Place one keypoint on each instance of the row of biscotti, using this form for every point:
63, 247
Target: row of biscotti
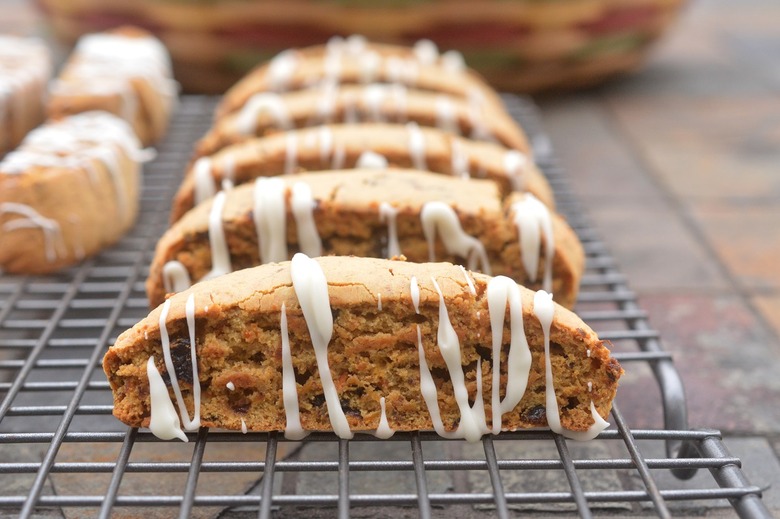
311, 159
451, 177
71, 187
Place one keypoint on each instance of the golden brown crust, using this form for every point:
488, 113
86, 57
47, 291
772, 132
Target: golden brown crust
144, 95
480, 120
309, 67
373, 353
268, 156
349, 222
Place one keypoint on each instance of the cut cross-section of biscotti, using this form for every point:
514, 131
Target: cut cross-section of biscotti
356, 61
341, 146
125, 71
372, 213
361, 345
270, 112
69, 190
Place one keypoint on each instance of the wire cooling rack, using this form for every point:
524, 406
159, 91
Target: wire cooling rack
62, 454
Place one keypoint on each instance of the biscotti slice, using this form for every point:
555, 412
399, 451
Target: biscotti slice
357, 61
362, 345
372, 213
342, 145
25, 70
270, 112
69, 190
125, 71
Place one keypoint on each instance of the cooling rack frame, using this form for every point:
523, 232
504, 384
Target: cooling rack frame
55, 329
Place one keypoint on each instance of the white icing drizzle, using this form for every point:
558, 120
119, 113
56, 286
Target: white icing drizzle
414, 289
460, 160
383, 430
370, 63
193, 424
303, 206
429, 392
291, 153
398, 93
588, 352
270, 218
164, 422
220, 255
476, 107
379, 301
175, 277
326, 143
326, 103
373, 98
472, 419
388, 213
469, 282
544, 309
426, 52
311, 288
416, 146
532, 219
371, 160
281, 70
500, 292
514, 166
453, 62
204, 181
29, 218
339, 157
440, 217
293, 429
590, 387
231, 386
445, 115
243, 426
265, 102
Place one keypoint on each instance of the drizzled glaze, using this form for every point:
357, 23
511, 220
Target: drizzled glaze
388, 214
440, 217
501, 292
416, 146
514, 167
175, 277
270, 217
544, 309
220, 255
383, 430
532, 219
371, 160
290, 153
54, 244
204, 181
311, 288
293, 429
303, 205
265, 102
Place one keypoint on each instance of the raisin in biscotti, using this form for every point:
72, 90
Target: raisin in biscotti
25, 70
371, 213
356, 61
340, 146
359, 344
270, 112
125, 71
69, 190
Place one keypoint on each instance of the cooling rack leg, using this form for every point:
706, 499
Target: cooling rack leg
495, 478
749, 506
343, 479
423, 502
266, 491
119, 472
192, 477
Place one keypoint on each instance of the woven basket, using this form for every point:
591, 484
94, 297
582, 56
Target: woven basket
520, 45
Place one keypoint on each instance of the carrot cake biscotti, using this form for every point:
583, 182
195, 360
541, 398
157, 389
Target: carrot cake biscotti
356, 61
339, 146
361, 345
25, 70
372, 213
69, 190
125, 71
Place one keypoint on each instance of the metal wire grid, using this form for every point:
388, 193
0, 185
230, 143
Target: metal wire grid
55, 329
